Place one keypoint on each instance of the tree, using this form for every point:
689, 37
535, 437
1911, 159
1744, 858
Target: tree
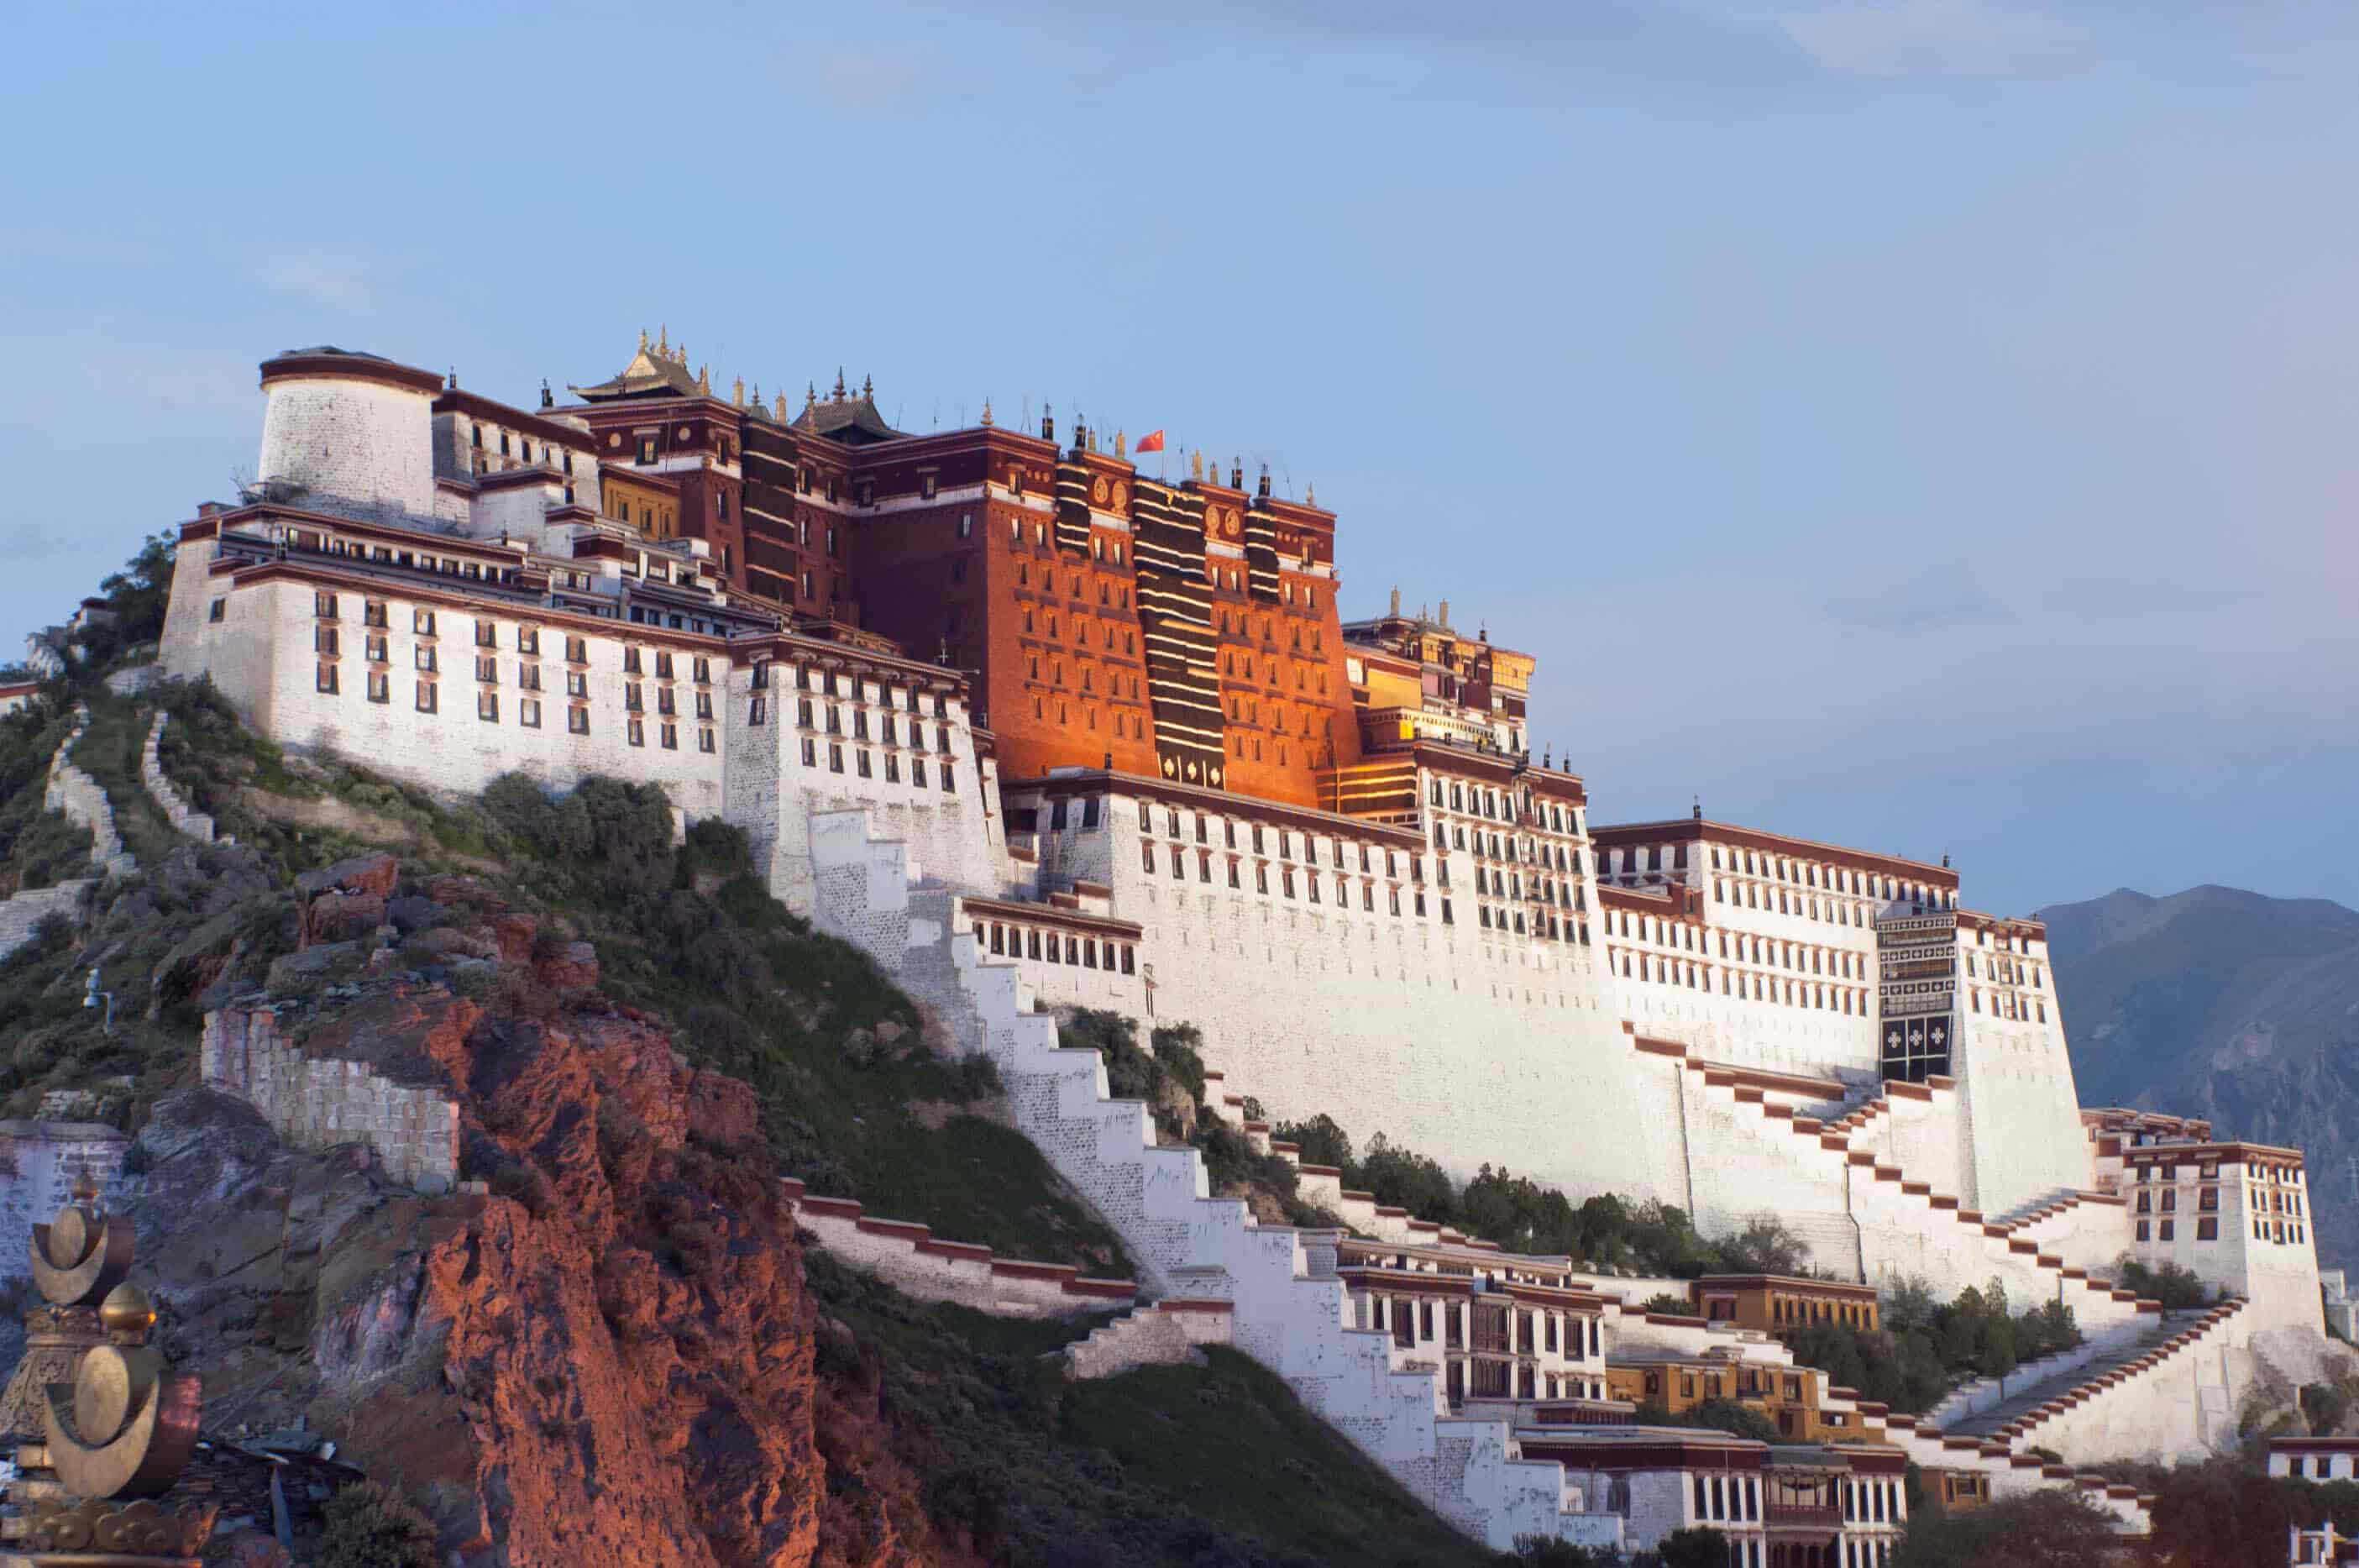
1696, 1548
2049, 1529
1673, 1306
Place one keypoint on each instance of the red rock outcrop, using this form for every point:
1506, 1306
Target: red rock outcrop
610, 1357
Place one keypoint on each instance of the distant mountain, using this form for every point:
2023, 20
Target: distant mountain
2224, 1003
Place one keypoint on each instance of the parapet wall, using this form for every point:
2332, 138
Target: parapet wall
320, 1102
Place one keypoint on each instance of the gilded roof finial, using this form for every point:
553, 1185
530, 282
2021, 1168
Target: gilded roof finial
643, 340
811, 397
782, 407
663, 342
838, 383
1196, 463
1310, 493
1120, 446
704, 379
737, 392
986, 410
867, 391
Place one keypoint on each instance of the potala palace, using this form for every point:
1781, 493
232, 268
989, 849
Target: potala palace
1039, 730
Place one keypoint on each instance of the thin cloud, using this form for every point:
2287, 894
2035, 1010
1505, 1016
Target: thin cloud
319, 278
1937, 38
1944, 596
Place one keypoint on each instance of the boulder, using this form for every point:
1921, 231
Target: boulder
373, 873
342, 916
311, 966
566, 966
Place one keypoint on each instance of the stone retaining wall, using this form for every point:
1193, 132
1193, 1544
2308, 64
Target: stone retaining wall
21, 914
320, 1102
184, 817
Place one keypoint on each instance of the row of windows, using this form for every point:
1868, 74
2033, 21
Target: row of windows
1130, 725
828, 682
1053, 947
2206, 1229
1740, 947
428, 699
1129, 638
1513, 847
865, 765
2209, 1170
526, 443
1111, 595
1759, 896
1286, 883
375, 616
1203, 822
1815, 994
1807, 874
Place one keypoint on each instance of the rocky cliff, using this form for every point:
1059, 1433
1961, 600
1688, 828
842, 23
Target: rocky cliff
606, 1356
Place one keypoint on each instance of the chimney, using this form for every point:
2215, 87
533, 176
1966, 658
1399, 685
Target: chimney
1047, 423
1264, 491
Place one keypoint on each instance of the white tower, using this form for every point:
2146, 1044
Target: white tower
349, 434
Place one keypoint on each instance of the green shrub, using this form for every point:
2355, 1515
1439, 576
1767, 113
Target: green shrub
367, 1525
1665, 1303
2174, 1287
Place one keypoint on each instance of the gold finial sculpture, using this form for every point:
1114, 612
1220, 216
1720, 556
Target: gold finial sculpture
986, 411
1121, 446
704, 379
663, 342
116, 1426
133, 1424
1196, 464
83, 1254
810, 396
643, 340
737, 392
1309, 493
782, 407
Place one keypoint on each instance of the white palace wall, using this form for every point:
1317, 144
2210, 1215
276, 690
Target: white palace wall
1446, 1039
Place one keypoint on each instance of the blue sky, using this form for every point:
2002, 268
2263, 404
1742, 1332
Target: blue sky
1925, 424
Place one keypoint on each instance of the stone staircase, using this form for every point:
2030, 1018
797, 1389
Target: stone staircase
1892, 1210
2077, 1410
79, 797
1190, 1247
1161, 1332
185, 819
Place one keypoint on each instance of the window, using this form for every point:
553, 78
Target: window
577, 650
324, 605
423, 657
326, 678
323, 639
427, 702
576, 721
218, 609
422, 622
487, 707
380, 686
2207, 1228
529, 712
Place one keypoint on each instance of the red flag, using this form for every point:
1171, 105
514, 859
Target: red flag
1151, 441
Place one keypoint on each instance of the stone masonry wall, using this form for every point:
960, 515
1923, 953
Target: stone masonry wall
320, 1102
38, 1162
